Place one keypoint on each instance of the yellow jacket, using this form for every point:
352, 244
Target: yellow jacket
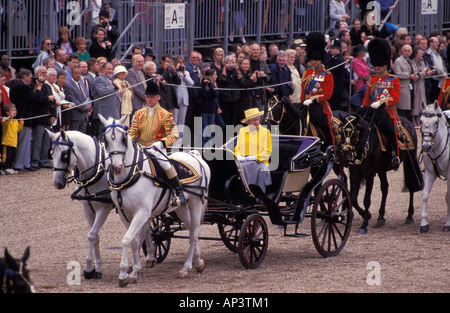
10, 130
254, 143
159, 126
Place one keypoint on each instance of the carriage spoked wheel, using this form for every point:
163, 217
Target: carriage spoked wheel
331, 218
253, 241
229, 232
161, 237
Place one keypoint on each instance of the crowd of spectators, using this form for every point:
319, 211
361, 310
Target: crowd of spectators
71, 83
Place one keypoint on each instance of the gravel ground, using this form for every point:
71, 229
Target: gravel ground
33, 213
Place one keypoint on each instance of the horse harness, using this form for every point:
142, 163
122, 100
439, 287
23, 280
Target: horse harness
428, 134
84, 184
7, 284
137, 171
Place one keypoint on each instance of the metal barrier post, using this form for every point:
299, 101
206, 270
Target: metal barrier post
259, 21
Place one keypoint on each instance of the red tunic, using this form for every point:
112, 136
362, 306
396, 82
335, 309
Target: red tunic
381, 88
319, 82
444, 95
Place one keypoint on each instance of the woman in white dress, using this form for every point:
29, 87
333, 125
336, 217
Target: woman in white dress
59, 95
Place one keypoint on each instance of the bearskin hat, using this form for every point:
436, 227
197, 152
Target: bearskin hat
379, 52
315, 46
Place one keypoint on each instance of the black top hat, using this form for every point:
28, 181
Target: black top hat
152, 88
379, 52
315, 46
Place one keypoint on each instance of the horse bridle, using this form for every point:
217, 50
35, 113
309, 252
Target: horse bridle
113, 127
271, 104
65, 155
428, 137
8, 282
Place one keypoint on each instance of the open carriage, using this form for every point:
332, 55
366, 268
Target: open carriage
298, 190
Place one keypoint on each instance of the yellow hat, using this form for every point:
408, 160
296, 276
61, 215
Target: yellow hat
251, 113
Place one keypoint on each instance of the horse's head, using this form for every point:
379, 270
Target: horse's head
429, 124
64, 157
16, 275
349, 133
116, 141
275, 112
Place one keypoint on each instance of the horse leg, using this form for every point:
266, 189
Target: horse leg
369, 186
429, 179
409, 219
196, 210
355, 183
96, 220
139, 219
447, 221
150, 260
136, 244
384, 185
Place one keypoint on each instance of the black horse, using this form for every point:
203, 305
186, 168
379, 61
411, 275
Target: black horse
363, 154
14, 274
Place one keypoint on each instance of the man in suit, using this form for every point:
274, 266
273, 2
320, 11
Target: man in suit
24, 97
77, 93
108, 100
47, 107
341, 85
136, 79
60, 60
281, 74
194, 99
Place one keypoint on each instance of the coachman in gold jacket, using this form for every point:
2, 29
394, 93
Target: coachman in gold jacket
154, 129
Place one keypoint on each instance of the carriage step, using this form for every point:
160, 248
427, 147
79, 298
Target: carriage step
297, 235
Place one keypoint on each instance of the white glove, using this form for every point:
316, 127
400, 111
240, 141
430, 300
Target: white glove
307, 102
447, 113
375, 105
251, 158
158, 145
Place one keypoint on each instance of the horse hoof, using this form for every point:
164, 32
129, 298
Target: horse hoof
89, 275
183, 273
362, 231
98, 275
409, 221
380, 223
424, 229
150, 263
446, 228
133, 280
200, 267
124, 282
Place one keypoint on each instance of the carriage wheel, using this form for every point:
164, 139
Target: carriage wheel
161, 236
331, 218
229, 233
253, 241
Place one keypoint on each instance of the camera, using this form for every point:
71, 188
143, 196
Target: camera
104, 24
181, 68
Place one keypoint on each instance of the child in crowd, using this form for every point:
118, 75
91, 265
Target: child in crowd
10, 128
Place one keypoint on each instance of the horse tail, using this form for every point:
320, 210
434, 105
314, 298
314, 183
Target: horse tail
412, 173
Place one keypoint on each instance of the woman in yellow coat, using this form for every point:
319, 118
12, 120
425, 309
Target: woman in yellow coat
253, 149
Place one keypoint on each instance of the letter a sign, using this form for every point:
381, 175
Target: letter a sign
429, 7
174, 15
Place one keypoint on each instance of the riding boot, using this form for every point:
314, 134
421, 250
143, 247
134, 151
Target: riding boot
395, 161
176, 185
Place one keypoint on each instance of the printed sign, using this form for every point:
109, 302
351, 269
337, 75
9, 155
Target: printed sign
429, 7
174, 16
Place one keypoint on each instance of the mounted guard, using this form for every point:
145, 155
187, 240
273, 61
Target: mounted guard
384, 92
317, 86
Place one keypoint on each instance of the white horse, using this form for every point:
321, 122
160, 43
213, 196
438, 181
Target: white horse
73, 148
134, 190
436, 156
